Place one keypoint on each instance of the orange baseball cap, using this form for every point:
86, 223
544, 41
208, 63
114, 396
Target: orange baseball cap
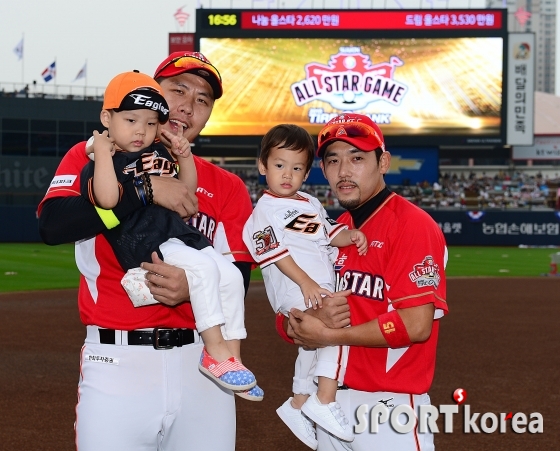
194, 63
135, 91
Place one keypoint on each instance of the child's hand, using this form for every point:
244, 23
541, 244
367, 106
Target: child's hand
180, 146
359, 239
102, 143
313, 294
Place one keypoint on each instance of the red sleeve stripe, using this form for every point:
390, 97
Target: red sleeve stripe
336, 230
428, 293
90, 191
273, 258
61, 190
91, 195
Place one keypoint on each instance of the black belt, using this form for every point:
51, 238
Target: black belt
159, 338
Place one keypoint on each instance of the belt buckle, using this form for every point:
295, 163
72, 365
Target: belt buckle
156, 337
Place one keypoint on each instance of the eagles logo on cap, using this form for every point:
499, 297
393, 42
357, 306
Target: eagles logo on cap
135, 91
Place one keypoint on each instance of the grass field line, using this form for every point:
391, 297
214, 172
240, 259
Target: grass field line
36, 266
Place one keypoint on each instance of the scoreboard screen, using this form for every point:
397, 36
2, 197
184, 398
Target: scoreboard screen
428, 77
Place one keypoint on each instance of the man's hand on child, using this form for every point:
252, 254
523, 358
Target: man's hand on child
360, 240
313, 294
180, 146
102, 143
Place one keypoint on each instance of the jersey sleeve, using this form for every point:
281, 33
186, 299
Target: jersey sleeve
332, 227
66, 181
236, 207
86, 181
88, 171
66, 216
264, 236
416, 269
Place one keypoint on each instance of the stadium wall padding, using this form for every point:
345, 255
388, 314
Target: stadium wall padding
18, 223
496, 228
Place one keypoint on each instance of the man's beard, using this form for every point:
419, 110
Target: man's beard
349, 204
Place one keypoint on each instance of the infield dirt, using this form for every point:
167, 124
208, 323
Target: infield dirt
500, 343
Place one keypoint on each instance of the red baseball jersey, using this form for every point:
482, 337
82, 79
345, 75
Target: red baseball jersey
224, 206
404, 267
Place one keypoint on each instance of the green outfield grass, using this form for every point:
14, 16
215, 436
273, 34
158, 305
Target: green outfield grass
36, 266
486, 261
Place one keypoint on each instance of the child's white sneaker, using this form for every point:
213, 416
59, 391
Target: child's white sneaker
298, 424
329, 416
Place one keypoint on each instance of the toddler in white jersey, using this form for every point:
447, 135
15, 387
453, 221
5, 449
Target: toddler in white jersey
290, 236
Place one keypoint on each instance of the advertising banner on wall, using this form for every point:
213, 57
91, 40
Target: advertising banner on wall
521, 89
181, 42
544, 148
495, 228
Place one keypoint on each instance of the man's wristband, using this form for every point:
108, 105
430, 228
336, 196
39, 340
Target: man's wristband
393, 329
139, 184
280, 328
149, 190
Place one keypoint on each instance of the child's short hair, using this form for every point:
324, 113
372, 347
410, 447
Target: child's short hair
291, 137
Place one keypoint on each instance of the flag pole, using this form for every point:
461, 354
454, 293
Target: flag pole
55, 77
85, 81
22, 55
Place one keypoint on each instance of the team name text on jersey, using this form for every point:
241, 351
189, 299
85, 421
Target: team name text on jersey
361, 284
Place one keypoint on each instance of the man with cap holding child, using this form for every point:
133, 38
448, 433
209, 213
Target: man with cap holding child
164, 402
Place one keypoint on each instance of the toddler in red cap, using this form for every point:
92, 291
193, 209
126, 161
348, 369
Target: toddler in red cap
132, 108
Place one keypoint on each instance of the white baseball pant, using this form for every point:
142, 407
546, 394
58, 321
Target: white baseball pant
150, 399
217, 293
329, 362
386, 438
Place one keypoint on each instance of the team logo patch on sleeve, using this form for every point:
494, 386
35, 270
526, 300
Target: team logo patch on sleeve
265, 241
426, 273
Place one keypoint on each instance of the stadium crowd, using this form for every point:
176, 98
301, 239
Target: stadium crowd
452, 191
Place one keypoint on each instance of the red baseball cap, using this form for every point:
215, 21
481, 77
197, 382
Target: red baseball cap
193, 63
356, 129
